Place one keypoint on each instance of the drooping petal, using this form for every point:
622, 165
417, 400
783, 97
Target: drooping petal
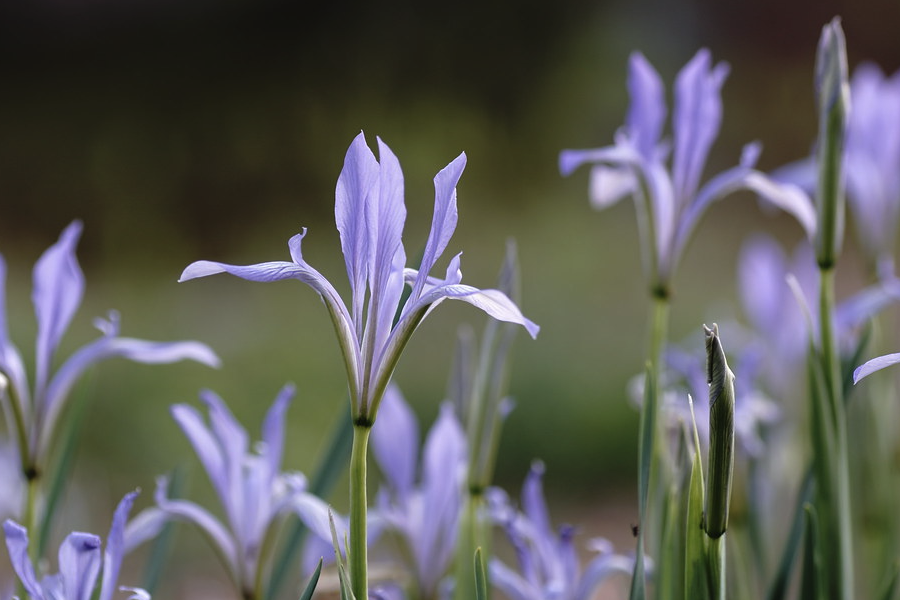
17, 545
696, 121
647, 111
199, 516
395, 442
136, 593
511, 583
784, 196
610, 184
876, 364
598, 570
10, 359
58, 289
145, 526
315, 515
621, 154
357, 182
79, 565
142, 351
115, 547
443, 223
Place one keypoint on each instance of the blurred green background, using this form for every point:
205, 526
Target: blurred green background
200, 129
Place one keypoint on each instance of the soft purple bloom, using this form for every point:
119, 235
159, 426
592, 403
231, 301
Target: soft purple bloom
872, 160
250, 485
370, 214
548, 560
57, 293
80, 562
424, 510
636, 164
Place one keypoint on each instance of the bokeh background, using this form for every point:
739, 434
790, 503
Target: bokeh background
206, 129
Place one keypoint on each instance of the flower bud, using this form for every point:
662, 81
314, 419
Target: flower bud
721, 434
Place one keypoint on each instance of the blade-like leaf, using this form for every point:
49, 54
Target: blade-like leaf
889, 588
645, 456
313, 581
696, 581
481, 588
779, 588
812, 578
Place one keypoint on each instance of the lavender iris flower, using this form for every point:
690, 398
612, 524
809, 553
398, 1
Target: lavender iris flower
370, 214
670, 201
251, 487
57, 293
426, 515
872, 161
548, 560
80, 562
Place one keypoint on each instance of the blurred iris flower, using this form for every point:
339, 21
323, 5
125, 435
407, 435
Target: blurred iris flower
670, 200
548, 560
426, 515
251, 487
370, 214
80, 562
871, 163
57, 293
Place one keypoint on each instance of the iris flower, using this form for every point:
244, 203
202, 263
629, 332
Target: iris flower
426, 515
57, 293
669, 199
251, 487
370, 214
80, 562
548, 560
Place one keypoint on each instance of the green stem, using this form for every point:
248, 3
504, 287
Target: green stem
717, 567
358, 509
838, 493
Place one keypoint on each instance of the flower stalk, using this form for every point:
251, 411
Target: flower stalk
357, 553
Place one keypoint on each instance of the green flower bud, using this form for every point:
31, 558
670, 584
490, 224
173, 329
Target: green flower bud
721, 434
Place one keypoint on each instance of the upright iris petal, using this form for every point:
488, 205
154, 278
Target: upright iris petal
370, 214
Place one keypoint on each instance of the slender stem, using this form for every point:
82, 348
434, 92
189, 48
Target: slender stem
839, 492
358, 509
717, 567
32, 487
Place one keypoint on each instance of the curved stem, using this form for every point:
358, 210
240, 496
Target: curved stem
358, 512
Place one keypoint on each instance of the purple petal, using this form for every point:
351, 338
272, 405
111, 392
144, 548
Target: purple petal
443, 456
494, 302
598, 570
234, 442
108, 347
79, 565
867, 303
208, 524
145, 526
315, 515
876, 364
395, 441
10, 360
647, 111
17, 545
511, 583
263, 272
115, 546
443, 223
620, 154
610, 184
273, 432
696, 121
58, 289
356, 183
533, 502
205, 445
761, 270
136, 593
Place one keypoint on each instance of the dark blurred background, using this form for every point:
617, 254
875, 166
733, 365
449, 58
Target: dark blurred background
201, 129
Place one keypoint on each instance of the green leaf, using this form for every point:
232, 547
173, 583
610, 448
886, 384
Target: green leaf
696, 580
162, 545
889, 587
779, 588
313, 581
645, 455
481, 588
812, 579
